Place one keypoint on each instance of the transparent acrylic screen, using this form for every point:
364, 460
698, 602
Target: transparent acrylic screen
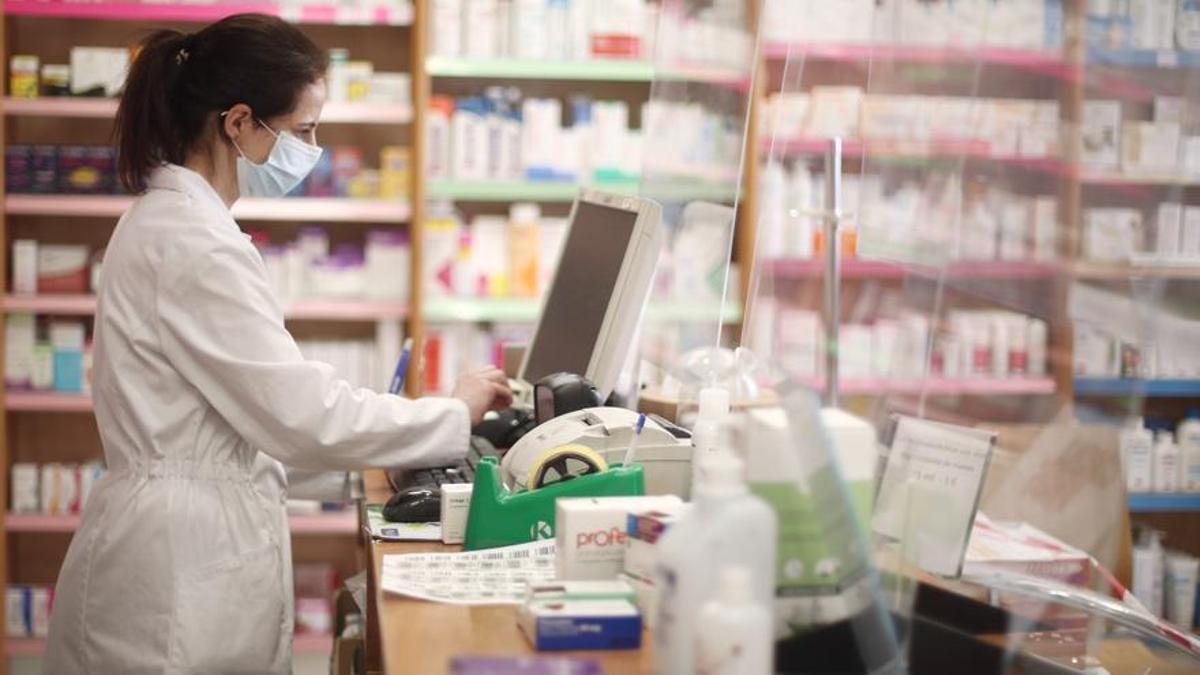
1015, 289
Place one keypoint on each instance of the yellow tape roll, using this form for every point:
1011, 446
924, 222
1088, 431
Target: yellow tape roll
564, 463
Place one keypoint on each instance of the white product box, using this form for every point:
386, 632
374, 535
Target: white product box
59, 488
25, 260
1015, 221
1167, 230
799, 342
98, 68
39, 611
854, 348
1045, 228
25, 488
1110, 235
1153, 24
1150, 147
18, 605
1171, 109
456, 504
835, 111
885, 348
1190, 155
1101, 126
590, 533
20, 335
643, 530
1189, 246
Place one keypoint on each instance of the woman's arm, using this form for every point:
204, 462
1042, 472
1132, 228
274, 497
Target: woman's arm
221, 328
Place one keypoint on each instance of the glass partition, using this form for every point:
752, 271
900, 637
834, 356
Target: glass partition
972, 237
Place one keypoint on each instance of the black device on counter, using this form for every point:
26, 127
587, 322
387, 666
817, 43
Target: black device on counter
561, 393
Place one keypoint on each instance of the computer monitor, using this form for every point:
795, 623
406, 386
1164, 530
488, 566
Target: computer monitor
605, 269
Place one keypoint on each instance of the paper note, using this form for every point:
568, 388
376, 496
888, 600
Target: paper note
496, 576
930, 491
386, 530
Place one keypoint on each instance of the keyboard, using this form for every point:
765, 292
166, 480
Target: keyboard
462, 471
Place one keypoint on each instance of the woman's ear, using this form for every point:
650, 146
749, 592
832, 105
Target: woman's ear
236, 121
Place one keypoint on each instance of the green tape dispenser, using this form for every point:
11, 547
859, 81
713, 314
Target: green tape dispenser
501, 517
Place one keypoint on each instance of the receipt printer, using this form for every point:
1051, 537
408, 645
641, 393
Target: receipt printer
606, 432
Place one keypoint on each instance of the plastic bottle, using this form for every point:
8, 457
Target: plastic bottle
734, 634
1188, 437
1148, 564
726, 526
1166, 463
1137, 456
714, 409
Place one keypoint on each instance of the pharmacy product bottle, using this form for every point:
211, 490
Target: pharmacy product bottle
1148, 568
1188, 436
1166, 463
726, 526
734, 634
1137, 454
714, 409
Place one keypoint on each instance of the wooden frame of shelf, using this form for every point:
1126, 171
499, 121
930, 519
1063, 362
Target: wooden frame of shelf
90, 212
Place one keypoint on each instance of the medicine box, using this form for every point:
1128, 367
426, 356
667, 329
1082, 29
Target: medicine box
456, 504
579, 590
590, 533
1101, 133
581, 624
643, 530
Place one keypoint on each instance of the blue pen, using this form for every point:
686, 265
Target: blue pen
401, 368
633, 442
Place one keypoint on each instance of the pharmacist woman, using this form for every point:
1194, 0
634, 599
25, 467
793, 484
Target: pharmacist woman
182, 562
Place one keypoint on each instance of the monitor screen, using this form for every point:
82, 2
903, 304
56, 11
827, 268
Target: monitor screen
575, 305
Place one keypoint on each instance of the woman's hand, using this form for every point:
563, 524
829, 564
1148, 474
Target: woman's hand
483, 390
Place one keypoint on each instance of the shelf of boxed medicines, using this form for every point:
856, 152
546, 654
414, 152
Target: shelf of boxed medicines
565, 191
1114, 179
393, 13
610, 70
858, 268
525, 310
932, 148
301, 644
975, 386
1148, 502
344, 522
334, 112
1040, 60
296, 209
305, 310
1117, 386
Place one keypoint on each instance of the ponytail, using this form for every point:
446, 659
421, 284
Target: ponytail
178, 81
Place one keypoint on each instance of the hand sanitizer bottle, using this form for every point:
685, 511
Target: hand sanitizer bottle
726, 526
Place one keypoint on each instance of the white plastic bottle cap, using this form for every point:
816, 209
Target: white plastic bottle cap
714, 403
720, 473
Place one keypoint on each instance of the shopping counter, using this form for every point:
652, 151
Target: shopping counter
414, 636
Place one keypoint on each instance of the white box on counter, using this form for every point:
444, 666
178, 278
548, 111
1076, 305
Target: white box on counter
590, 533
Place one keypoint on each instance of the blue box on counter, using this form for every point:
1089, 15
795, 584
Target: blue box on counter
581, 624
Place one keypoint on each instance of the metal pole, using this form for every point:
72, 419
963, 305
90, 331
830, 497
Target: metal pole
833, 263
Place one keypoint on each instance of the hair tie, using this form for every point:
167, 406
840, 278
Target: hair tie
182, 55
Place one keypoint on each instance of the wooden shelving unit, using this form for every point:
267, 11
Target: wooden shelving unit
392, 36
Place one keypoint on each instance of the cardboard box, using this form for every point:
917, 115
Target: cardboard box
643, 530
590, 533
581, 624
456, 504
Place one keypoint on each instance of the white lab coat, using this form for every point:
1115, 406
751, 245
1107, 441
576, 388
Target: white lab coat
182, 563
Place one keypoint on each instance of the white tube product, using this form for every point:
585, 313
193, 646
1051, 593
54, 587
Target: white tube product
1148, 574
1188, 437
1166, 463
726, 526
734, 634
1137, 456
446, 20
1179, 592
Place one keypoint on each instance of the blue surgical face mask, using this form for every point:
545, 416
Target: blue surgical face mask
290, 161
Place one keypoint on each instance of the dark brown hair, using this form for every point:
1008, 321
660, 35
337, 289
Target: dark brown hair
178, 80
